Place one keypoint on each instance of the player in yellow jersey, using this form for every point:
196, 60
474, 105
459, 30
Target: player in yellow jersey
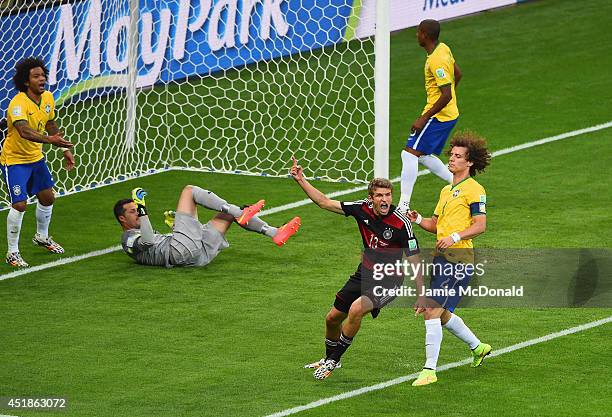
460, 215
31, 122
431, 129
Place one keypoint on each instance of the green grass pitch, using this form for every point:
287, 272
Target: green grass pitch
122, 340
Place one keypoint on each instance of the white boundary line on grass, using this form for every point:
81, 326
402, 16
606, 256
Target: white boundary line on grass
304, 202
396, 381
59, 262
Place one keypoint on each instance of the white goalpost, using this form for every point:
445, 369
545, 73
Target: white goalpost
382, 86
227, 86
132, 72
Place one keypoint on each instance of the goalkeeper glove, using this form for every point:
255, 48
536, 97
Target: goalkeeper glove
138, 195
169, 216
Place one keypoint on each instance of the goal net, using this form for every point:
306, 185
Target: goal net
229, 86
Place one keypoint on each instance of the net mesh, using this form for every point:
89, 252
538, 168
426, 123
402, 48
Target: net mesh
232, 86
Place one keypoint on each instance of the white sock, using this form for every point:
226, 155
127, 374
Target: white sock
437, 167
410, 170
457, 327
43, 219
433, 340
13, 229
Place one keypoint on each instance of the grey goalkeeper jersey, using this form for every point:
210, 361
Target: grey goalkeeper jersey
156, 253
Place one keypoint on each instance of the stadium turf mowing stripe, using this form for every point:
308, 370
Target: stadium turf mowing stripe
304, 202
396, 381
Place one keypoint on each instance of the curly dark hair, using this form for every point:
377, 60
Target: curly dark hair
22, 72
477, 153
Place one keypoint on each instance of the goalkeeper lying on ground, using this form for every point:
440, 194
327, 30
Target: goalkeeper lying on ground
190, 243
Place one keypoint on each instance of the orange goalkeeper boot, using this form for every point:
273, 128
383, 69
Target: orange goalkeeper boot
286, 231
249, 212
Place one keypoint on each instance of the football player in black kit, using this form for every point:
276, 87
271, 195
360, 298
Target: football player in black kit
387, 235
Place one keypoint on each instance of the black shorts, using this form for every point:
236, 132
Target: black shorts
358, 285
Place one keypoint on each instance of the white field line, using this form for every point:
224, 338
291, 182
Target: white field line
59, 262
396, 381
304, 202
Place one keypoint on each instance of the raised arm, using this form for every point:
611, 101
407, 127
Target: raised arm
147, 234
146, 229
315, 195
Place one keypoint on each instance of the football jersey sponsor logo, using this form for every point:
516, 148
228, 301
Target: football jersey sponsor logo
17, 189
48, 108
440, 73
17, 111
388, 234
366, 221
456, 193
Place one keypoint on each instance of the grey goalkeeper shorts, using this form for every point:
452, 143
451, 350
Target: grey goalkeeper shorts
193, 243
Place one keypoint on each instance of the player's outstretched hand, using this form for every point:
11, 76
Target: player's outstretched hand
412, 215
296, 170
138, 196
69, 160
58, 140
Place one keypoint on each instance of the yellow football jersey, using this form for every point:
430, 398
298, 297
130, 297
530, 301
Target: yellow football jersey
455, 209
440, 71
17, 150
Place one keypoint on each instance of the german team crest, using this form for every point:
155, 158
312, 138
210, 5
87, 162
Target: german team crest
17, 189
456, 193
48, 108
388, 234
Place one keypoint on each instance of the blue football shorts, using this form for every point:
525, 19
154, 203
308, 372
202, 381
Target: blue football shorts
432, 138
26, 180
448, 275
